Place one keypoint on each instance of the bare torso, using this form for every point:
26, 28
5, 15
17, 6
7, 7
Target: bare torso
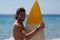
17, 30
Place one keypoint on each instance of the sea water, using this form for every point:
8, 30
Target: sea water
51, 31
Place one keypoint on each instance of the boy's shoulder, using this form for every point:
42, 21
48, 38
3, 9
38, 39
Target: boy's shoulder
16, 24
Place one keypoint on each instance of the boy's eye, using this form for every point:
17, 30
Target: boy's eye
21, 14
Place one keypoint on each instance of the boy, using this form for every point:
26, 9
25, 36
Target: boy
19, 31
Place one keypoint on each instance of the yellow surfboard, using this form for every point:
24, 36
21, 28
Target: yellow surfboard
34, 18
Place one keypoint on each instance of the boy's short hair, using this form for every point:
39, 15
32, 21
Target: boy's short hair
18, 12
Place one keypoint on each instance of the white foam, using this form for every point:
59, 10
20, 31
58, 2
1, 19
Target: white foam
11, 38
56, 39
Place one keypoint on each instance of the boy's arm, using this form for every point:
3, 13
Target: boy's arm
31, 34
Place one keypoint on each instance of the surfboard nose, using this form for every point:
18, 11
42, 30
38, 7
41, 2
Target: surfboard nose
35, 16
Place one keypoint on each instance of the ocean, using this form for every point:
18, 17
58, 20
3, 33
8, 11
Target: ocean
52, 26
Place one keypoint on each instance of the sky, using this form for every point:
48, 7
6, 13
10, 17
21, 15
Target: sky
46, 6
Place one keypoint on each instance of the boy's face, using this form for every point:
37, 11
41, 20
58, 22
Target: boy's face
21, 16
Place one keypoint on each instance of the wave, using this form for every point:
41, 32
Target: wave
11, 38
53, 39
56, 39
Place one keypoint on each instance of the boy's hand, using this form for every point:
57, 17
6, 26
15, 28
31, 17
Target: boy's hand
41, 25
